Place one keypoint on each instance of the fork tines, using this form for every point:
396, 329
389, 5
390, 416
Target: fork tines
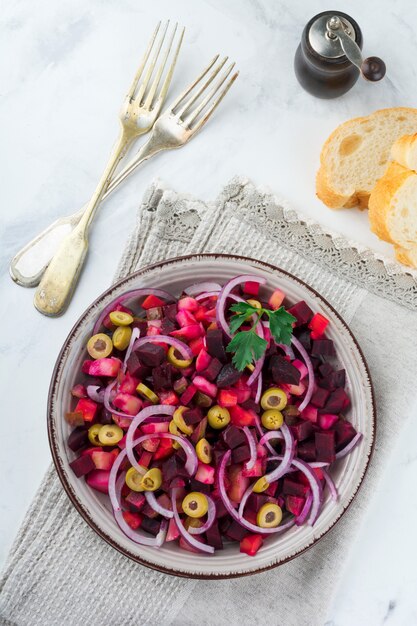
204, 98
151, 77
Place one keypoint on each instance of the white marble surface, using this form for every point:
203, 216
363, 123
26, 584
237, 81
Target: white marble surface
65, 68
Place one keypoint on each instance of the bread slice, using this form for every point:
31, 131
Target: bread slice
356, 154
393, 211
404, 151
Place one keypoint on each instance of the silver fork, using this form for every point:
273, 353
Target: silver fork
141, 107
173, 129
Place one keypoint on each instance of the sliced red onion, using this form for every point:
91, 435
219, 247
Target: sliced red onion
206, 294
258, 388
288, 455
136, 535
261, 434
107, 401
232, 511
300, 520
198, 545
149, 411
287, 349
135, 335
158, 508
226, 292
211, 516
135, 293
332, 487
356, 439
252, 447
182, 347
191, 464
311, 378
96, 393
199, 288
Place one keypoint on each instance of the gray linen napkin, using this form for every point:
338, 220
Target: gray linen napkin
59, 573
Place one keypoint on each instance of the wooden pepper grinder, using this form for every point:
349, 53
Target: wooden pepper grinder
328, 61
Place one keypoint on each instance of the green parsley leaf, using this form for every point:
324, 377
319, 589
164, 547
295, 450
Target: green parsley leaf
280, 325
242, 311
247, 347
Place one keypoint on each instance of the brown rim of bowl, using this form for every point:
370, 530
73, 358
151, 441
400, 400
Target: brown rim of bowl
67, 487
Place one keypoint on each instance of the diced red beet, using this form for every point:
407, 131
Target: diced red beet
79, 391
176, 483
294, 504
282, 371
136, 367
325, 446
344, 433
202, 361
128, 383
236, 532
168, 397
99, 480
77, 439
127, 403
188, 304
192, 416
319, 397
338, 401
214, 537
167, 326
251, 405
141, 324
170, 311
318, 325
212, 370
87, 407
74, 418
205, 474
151, 444
310, 413
105, 367
228, 376
196, 345
151, 526
325, 369
173, 532
123, 422
251, 544
307, 451
188, 395
233, 437
91, 450
162, 377
134, 520
302, 429
83, 465
215, 344
243, 394
238, 483
327, 420
180, 385
302, 312
150, 354
145, 459
172, 468
164, 449
154, 427
305, 339
293, 488
251, 288
271, 490
205, 386
302, 368
295, 390
103, 460
334, 380
85, 368
199, 431
227, 397
152, 301
241, 454
323, 347
241, 417
276, 299
135, 500
256, 471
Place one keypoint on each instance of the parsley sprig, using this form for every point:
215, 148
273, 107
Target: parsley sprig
246, 345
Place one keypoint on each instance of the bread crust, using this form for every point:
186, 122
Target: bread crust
401, 150
380, 201
360, 197
406, 257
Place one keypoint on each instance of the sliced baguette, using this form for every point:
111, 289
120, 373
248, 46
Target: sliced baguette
404, 151
356, 154
393, 211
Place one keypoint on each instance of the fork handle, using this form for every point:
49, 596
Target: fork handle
61, 276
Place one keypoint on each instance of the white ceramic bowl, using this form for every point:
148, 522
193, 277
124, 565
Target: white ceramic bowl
174, 275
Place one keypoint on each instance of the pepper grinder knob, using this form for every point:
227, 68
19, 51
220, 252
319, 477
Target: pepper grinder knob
373, 69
